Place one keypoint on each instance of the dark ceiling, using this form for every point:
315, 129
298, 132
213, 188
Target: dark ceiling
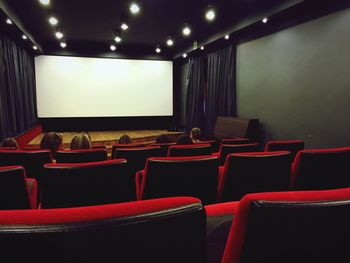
90, 25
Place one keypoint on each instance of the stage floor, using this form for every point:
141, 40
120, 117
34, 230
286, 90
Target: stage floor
111, 137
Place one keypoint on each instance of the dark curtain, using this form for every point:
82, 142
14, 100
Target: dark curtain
195, 93
17, 89
221, 91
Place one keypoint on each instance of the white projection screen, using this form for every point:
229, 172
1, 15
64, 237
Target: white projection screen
103, 87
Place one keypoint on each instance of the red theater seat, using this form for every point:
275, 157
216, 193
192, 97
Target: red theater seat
175, 176
127, 145
245, 173
81, 156
190, 150
226, 149
234, 141
164, 147
304, 226
215, 144
7, 148
83, 184
291, 145
17, 191
163, 230
321, 169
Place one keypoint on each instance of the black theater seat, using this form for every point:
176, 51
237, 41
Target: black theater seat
163, 230
294, 146
81, 156
196, 149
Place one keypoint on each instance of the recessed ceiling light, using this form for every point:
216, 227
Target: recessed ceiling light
35, 47
113, 47
227, 36
24, 37
158, 50
170, 42
202, 47
184, 55
8, 21
186, 31
265, 19
210, 14
63, 44
59, 34
124, 26
53, 20
44, 2
117, 39
134, 8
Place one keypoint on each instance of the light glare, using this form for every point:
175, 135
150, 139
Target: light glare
53, 20
210, 15
134, 8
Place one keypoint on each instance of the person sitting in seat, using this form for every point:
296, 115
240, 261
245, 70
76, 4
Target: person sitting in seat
80, 141
184, 139
163, 138
52, 141
124, 139
195, 134
10, 142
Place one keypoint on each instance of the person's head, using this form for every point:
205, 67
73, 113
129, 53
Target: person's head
195, 134
51, 141
80, 141
10, 142
125, 139
163, 138
184, 139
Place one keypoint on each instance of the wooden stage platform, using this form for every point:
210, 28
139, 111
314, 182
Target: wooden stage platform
109, 138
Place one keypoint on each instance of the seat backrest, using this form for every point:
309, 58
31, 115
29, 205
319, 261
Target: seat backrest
13, 193
7, 148
137, 156
164, 147
246, 173
226, 149
176, 176
321, 169
236, 141
126, 145
81, 156
162, 230
83, 184
215, 144
190, 150
291, 145
304, 226
32, 161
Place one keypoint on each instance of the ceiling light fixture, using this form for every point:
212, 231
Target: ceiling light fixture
184, 55
53, 20
117, 39
202, 47
63, 44
264, 20
35, 47
8, 21
158, 49
210, 14
134, 8
227, 36
24, 37
44, 2
124, 26
186, 31
170, 41
59, 34
113, 47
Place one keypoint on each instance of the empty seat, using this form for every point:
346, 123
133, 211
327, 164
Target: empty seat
226, 149
321, 169
162, 230
81, 156
291, 145
215, 144
32, 161
305, 226
164, 147
127, 145
83, 184
175, 176
17, 191
190, 150
236, 141
245, 173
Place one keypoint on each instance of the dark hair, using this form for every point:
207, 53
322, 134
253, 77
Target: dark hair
184, 139
195, 134
10, 142
51, 141
163, 138
80, 141
125, 139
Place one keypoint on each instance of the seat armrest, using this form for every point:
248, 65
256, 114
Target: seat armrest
139, 181
220, 183
32, 189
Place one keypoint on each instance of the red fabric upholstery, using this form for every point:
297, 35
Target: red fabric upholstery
7, 148
196, 149
321, 169
236, 246
81, 156
254, 172
173, 176
289, 145
228, 208
162, 230
17, 191
227, 149
24, 138
84, 184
